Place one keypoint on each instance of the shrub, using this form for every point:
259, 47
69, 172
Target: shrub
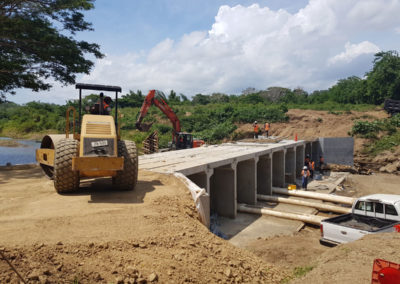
365, 127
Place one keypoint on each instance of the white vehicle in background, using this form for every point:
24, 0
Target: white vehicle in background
376, 213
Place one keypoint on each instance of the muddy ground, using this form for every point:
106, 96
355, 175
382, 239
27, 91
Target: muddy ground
152, 234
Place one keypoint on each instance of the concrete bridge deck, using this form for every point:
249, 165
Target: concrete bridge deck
233, 173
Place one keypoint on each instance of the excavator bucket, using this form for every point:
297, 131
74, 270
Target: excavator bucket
144, 126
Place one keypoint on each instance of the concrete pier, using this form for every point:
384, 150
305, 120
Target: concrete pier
234, 173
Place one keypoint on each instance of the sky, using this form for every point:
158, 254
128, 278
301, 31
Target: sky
207, 46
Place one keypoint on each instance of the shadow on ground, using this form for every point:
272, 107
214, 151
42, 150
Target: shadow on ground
231, 227
101, 190
6, 174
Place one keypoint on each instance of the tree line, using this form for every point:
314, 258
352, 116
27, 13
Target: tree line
380, 83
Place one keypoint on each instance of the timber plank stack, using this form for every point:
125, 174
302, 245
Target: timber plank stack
150, 144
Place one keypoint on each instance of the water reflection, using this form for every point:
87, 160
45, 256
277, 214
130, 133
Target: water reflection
18, 155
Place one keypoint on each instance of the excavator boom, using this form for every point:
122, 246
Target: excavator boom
180, 140
158, 99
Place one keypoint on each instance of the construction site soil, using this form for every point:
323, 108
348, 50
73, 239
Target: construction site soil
311, 124
101, 235
152, 234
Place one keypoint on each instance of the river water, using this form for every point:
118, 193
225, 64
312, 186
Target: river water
19, 155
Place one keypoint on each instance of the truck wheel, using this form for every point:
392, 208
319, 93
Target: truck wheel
65, 179
127, 178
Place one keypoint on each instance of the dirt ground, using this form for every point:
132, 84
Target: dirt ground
347, 263
152, 235
99, 235
311, 124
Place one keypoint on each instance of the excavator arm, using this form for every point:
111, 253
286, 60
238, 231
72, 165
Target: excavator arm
158, 99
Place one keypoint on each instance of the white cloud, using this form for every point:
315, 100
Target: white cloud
259, 47
353, 51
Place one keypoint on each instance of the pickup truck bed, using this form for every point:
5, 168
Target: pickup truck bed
364, 223
349, 227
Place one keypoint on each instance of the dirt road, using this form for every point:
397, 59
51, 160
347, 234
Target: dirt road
99, 235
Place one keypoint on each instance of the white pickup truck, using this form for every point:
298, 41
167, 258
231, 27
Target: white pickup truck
371, 214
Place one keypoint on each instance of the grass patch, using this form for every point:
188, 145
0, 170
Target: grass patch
298, 272
387, 130
333, 107
335, 112
385, 143
302, 270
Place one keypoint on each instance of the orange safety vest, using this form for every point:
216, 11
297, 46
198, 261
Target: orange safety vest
256, 128
312, 165
266, 126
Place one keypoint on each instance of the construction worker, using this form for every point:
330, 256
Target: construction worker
102, 106
256, 129
312, 167
106, 105
307, 161
305, 173
266, 128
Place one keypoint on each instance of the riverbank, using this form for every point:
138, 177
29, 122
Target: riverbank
11, 143
36, 136
17, 151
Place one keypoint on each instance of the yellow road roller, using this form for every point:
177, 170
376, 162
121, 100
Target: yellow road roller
93, 149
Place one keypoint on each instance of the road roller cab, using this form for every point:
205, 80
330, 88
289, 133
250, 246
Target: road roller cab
92, 149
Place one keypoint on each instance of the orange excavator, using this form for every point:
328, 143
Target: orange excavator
180, 140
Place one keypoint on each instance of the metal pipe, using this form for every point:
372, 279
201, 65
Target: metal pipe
80, 107
320, 206
315, 195
310, 219
116, 110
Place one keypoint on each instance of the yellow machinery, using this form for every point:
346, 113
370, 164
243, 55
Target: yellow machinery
94, 151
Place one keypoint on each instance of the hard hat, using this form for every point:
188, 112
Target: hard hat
255, 121
305, 168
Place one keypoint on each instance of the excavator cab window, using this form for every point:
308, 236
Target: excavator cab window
184, 141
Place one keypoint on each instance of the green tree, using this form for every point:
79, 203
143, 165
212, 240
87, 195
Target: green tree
383, 81
254, 98
219, 98
132, 99
37, 43
184, 98
200, 99
173, 98
348, 91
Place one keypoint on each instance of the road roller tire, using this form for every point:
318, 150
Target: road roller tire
127, 178
65, 179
